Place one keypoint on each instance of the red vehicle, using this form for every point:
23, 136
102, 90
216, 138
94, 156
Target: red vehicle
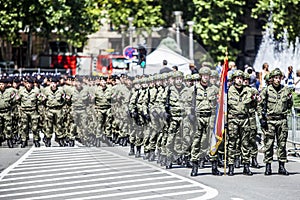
58, 57
111, 64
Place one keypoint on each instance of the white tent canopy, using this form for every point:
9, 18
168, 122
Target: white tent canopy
155, 59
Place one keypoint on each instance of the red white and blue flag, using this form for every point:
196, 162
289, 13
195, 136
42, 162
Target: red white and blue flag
221, 111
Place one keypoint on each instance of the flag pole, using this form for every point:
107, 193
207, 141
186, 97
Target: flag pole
225, 119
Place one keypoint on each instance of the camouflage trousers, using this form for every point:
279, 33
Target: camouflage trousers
5, 124
136, 136
103, 120
79, 126
173, 144
155, 127
277, 129
238, 128
253, 133
54, 122
29, 120
200, 144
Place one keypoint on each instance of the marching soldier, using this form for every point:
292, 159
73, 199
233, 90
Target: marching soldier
205, 100
176, 106
240, 100
80, 100
276, 101
103, 95
6, 101
29, 98
54, 98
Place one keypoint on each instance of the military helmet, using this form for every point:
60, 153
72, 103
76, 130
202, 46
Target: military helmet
267, 77
205, 70
214, 73
178, 74
237, 73
275, 72
188, 77
150, 78
195, 77
246, 75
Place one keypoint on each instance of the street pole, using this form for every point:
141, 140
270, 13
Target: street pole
130, 20
122, 26
191, 41
178, 21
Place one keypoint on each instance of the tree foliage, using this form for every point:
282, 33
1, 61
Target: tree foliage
283, 14
72, 19
146, 13
218, 25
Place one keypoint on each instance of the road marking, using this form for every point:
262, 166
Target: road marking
86, 180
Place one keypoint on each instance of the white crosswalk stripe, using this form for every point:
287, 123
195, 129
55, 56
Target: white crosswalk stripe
93, 173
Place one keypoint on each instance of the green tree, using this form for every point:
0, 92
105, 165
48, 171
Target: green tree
74, 19
284, 15
219, 26
146, 13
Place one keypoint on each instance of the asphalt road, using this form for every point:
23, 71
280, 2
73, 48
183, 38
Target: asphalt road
29, 168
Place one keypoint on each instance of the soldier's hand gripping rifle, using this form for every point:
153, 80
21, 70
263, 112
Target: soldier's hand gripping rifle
263, 120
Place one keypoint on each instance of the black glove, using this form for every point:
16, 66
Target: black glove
192, 118
258, 138
263, 124
147, 117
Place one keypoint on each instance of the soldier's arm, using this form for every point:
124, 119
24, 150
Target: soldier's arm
261, 103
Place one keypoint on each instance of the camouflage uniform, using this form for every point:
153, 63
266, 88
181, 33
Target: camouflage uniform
29, 98
54, 98
103, 95
239, 103
6, 101
175, 99
205, 99
276, 101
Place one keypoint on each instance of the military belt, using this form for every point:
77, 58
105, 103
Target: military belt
4, 110
276, 117
28, 109
240, 116
55, 107
204, 114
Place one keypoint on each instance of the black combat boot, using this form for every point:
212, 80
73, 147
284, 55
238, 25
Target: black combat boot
71, 143
282, 170
131, 152
61, 142
36, 143
98, 142
48, 142
169, 163
254, 163
231, 170
187, 162
152, 156
237, 162
195, 167
220, 160
268, 171
214, 169
146, 155
23, 144
125, 141
10, 143
138, 152
247, 170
